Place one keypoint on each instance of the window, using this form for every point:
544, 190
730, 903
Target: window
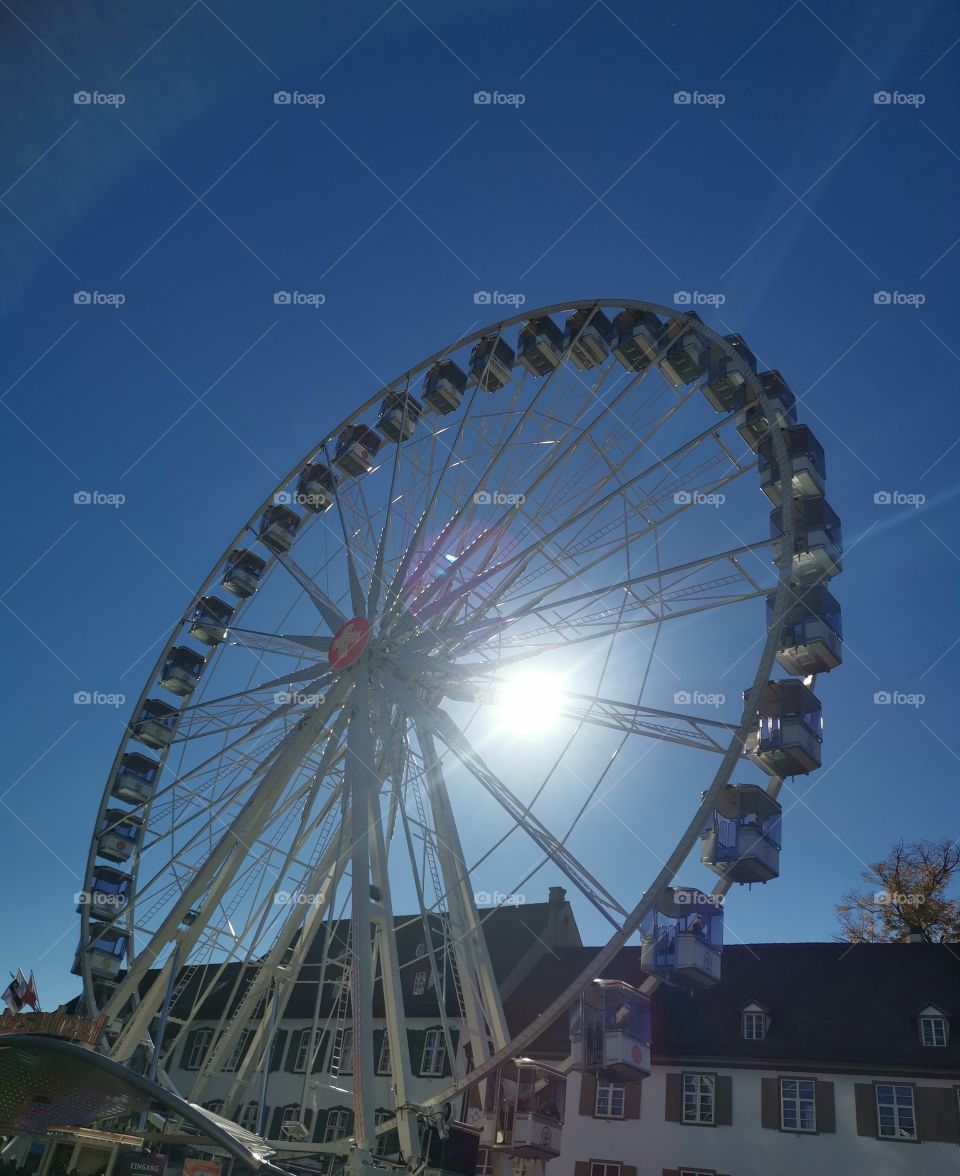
382, 1140
248, 1117
933, 1029
754, 1025
232, 1064
341, 1061
216, 1106
484, 1162
337, 1125
598, 1168
419, 983
434, 1054
383, 1062
798, 1104
696, 1172
609, 1100
307, 1045
895, 1113
698, 1091
199, 1048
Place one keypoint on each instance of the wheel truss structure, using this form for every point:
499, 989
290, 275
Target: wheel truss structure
321, 744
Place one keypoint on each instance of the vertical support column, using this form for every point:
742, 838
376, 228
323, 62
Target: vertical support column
359, 779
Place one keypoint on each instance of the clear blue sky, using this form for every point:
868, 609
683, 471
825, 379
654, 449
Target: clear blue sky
797, 199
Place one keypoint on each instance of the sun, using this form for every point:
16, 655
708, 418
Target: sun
530, 702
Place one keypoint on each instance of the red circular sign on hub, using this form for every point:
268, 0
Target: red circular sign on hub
347, 643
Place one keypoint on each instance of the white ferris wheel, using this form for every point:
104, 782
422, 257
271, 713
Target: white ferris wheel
513, 530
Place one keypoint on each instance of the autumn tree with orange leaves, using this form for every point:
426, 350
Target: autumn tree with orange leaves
906, 895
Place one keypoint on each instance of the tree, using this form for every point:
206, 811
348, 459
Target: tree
907, 895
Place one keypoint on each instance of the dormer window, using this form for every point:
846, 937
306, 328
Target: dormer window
754, 1020
933, 1027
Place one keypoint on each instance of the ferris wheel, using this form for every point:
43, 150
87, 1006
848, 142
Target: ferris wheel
522, 531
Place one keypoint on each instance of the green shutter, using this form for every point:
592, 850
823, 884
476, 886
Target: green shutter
673, 1110
631, 1099
826, 1108
724, 1101
866, 1109
581, 1168
276, 1054
770, 1103
937, 1115
415, 1041
588, 1094
295, 1037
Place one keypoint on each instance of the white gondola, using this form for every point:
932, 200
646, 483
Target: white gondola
523, 1110
726, 387
182, 669
789, 732
811, 638
817, 540
753, 422
807, 459
682, 937
399, 415
741, 839
278, 527
242, 572
610, 1031
444, 386
356, 450
491, 362
686, 357
105, 953
636, 338
118, 835
210, 620
108, 894
316, 487
155, 724
136, 778
540, 346
587, 335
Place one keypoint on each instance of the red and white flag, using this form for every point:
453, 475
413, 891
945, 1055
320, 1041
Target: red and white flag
20, 992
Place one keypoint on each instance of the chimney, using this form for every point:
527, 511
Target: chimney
557, 896
916, 937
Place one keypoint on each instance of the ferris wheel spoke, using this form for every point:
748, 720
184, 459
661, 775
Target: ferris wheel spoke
332, 616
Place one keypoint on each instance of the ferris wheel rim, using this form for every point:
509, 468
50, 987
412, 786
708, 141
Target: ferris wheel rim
247, 531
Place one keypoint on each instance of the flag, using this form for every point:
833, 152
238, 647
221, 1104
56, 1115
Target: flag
20, 992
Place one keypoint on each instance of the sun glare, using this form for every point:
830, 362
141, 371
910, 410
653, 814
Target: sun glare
530, 702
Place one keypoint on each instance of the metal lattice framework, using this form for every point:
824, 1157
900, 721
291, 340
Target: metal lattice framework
321, 722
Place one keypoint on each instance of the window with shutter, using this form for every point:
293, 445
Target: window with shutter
798, 1108
603, 1168
197, 1049
699, 1091
434, 1057
896, 1113
609, 1100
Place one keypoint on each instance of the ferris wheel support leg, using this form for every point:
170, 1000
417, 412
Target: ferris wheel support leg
360, 783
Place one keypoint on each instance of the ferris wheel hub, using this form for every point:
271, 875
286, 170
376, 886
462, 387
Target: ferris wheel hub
348, 643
